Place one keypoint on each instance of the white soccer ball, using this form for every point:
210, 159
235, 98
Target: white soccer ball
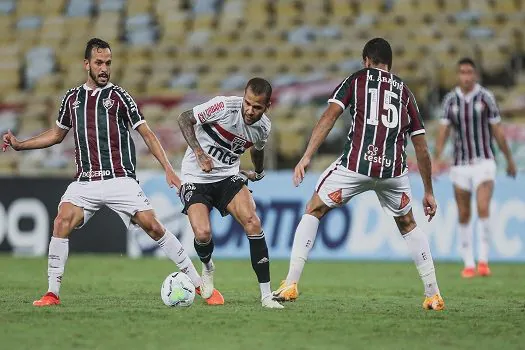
177, 290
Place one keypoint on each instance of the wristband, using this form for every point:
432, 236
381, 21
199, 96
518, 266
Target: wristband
259, 176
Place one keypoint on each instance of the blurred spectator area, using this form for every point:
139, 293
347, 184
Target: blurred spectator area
172, 54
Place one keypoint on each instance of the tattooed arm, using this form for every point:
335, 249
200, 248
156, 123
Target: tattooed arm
187, 126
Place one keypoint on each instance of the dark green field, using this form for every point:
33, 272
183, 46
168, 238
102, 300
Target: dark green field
113, 303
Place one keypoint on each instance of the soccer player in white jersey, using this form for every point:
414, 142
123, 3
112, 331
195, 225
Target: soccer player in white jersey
100, 115
471, 111
384, 114
218, 132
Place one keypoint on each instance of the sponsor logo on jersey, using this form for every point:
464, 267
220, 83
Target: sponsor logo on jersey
76, 104
107, 103
372, 156
203, 116
222, 155
96, 173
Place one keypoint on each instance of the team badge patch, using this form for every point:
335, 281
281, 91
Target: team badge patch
336, 196
107, 103
238, 145
405, 199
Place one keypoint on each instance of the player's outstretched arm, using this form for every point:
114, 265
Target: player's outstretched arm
157, 150
425, 170
497, 131
187, 123
46, 139
321, 130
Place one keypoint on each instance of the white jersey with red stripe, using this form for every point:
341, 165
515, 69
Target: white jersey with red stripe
223, 134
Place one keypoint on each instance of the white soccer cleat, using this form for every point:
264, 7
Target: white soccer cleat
207, 282
269, 303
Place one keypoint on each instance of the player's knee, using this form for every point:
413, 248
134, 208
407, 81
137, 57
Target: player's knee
252, 224
62, 226
405, 223
483, 211
202, 233
156, 229
464, 216
316, 210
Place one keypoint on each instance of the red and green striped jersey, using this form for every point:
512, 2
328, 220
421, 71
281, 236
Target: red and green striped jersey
470, 115
101, 119
384, 111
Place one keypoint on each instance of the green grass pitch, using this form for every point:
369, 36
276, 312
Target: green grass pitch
112, 302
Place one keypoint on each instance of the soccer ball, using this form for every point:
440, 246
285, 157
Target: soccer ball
177, 290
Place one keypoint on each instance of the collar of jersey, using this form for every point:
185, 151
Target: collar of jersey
468, 96
108, 85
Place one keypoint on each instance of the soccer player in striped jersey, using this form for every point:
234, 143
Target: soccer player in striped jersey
384, 115
471, 111
100, 115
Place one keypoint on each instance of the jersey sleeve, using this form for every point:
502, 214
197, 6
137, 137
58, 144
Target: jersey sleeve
494, 115
131, 109
417, 127
64, 113
265, 134
343, 93
447, 108
210, 111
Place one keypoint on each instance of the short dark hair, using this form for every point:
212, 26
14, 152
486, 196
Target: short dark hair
378, 50
95, 43
467, 60
260, 86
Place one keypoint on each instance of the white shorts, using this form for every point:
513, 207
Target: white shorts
337, 185
469, 177
122, 195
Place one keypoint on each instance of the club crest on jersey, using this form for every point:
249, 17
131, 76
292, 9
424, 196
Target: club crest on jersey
238, 145
107, 103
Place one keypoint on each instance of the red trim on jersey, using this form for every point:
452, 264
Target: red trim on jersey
92, 141
229, 136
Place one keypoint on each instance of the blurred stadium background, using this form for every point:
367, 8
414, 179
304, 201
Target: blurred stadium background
172, 54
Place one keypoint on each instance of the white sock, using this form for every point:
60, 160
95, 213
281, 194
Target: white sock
176, 253
302, 244
467, 250
209, 266
484, 240
56, 262
418, 245
265, 289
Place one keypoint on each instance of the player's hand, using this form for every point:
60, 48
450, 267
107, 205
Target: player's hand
300, 171
252, 175
511, 168
429, 205
172, 179
205, 162
10, 140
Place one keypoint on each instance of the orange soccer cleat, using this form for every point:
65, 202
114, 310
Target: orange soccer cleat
483, 269
215, 299
468, 272
286, 292
435, 303
47, 300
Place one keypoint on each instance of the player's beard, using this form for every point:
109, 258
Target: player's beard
95, 79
